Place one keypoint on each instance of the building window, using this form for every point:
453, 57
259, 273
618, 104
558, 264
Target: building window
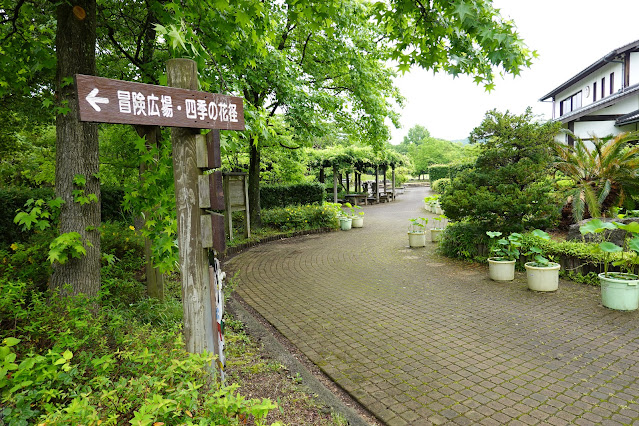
594, 91
603, 87
612, 83
571, 103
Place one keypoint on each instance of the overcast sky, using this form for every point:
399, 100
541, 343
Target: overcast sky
569, 35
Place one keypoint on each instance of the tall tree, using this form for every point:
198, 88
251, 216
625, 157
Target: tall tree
77, 158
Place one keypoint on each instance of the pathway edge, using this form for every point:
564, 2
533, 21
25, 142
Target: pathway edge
282, 355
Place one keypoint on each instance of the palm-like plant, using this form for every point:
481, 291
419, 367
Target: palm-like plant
603, 176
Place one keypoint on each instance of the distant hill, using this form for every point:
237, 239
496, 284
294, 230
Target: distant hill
463, 141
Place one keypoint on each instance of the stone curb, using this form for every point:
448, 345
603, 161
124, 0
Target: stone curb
282, 355
232, 251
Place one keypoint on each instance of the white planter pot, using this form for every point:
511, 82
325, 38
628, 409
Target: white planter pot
543, 279
427, 207
436, 234
417, 239
358, 222
501, 270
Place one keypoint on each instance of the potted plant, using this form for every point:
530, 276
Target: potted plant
429, 203
619, 290
356, 215
505, 252
417, 232
436, 231
345, 221
542, 274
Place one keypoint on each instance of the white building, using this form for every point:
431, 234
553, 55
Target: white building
602, 99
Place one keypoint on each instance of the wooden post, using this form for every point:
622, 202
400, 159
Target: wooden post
247, 212
385, 167
197, 314
228, 216
393, 180
348, 186
335, 183
377, 183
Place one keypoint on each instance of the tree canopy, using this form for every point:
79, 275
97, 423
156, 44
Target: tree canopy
319, 67
458, 37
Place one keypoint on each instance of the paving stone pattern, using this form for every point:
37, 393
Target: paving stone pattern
421, 339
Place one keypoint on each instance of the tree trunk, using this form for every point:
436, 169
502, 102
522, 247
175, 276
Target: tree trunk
334, 184
154, 278
377, 184
254, 186
77, 152
385, 168
194, 265
322, 177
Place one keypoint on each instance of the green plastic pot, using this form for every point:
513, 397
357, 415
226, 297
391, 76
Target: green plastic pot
345, 223
620, 291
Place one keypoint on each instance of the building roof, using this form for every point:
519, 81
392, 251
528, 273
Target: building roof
592, 68
629, 118
601, 103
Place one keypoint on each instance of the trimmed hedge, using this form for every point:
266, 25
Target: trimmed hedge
457, 168
272, 196
441, 171
438, 171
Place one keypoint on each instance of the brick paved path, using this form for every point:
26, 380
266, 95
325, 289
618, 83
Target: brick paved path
421, 339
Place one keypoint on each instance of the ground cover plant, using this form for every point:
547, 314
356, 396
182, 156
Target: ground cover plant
120, 358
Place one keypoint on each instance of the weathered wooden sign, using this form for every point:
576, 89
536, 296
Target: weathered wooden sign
106, 100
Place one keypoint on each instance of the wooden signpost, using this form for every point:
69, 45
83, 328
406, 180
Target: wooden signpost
105, 100
184, 109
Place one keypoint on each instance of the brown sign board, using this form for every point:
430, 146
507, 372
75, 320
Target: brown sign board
105, 100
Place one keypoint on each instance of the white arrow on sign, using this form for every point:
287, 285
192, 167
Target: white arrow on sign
93, 100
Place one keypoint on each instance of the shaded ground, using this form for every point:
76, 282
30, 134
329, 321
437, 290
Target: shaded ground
421, 339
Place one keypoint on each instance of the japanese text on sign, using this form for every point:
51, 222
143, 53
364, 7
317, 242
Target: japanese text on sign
137, 103
114, 101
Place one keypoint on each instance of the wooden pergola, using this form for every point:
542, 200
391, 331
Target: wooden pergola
356, 160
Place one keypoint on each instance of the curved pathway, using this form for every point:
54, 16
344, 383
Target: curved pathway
421, 339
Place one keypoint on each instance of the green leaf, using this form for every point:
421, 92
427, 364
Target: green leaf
10, 341
541, 234
79, 180
463, 10
632, 227
633, 244
609, 247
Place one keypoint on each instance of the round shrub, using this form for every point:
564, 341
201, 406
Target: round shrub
509, 189
440, 185
463, 240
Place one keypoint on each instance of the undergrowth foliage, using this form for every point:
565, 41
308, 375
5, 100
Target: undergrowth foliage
62, 361
310, 216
